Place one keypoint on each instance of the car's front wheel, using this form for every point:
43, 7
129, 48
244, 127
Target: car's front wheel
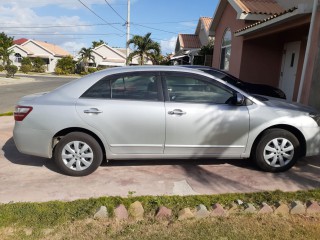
277, 151
78, 154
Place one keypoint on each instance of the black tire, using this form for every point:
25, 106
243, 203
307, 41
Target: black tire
92, 154
269, 161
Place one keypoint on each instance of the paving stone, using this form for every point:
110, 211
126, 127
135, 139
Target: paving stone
218, 211
101, 213
265, 209
313, 207
233, 208
163, 213
297, 208
249, 208
281, 209
185, 214
120, 213
201, 211
136, 210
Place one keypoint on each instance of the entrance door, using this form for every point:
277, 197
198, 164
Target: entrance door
289, 68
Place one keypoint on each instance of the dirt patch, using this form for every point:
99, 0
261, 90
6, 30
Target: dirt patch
11, 81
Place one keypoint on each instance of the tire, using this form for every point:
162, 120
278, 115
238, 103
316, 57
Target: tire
277, 151
78, 154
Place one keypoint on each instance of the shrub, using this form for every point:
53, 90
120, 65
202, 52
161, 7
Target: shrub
1, 68
26, 68
11, 70
38, 65
92, 70
26, 61
65, 65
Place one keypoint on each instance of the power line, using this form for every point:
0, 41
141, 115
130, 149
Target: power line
99, 16
65, 26
115, 11
157, 29
67, 34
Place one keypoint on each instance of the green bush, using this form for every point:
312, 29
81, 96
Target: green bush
11, 70
38, 65
65, 65
83, 73
26, 68
26, 61
1, 68
92, 70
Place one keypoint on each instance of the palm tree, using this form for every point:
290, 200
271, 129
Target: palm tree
144, 47
85, 57
5, 43
97, 43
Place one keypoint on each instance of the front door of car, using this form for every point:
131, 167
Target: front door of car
200, 118
128, 110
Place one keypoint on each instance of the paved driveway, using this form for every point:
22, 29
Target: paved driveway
28, 178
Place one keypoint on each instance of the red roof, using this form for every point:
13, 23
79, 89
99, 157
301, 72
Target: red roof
20, 41
189, 41
268, 7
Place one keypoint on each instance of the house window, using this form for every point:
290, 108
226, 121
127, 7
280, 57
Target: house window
226, 50
18, 57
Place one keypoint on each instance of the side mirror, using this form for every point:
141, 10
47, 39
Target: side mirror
239, 99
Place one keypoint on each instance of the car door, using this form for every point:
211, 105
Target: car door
128, 109
200, 120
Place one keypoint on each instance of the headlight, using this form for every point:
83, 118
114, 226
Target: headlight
316, 117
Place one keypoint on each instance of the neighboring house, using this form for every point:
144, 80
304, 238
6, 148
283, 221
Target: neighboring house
268, 41
189, 45
50, 53
107, 56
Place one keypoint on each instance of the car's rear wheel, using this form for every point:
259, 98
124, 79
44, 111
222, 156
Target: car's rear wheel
78, 154
277, 151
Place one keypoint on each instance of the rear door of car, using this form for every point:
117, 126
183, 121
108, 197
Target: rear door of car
200, 121
128, 109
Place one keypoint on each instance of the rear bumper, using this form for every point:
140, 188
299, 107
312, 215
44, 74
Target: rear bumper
32, 141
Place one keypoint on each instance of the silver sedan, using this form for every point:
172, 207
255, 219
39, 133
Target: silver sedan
162, 112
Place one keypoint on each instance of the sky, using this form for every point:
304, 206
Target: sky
73, 24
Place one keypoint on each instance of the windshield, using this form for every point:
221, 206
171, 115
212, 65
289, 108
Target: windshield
228, 78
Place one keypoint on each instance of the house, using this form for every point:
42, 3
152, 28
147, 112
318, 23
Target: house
273, 42
188, 45
106, 56
50, 53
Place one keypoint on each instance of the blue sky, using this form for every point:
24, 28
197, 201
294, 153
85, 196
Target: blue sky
71, 25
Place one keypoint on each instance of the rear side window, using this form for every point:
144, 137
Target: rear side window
127, 87
100, 90
137, 87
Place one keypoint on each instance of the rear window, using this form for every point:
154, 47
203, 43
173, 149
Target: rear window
100, 90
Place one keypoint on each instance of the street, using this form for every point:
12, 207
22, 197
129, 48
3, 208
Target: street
29, 178
11, 93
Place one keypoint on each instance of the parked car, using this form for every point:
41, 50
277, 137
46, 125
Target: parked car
252, 88
161, 112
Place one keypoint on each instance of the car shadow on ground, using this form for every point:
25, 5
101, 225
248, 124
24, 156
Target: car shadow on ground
12, 154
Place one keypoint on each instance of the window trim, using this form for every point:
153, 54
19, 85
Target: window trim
191, 75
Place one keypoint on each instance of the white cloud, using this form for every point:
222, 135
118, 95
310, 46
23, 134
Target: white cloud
73, 47
168, 45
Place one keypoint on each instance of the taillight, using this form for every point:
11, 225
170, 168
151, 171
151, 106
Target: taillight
21, 112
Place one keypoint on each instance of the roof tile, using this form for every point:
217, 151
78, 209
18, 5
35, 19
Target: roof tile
189, 41
268, 7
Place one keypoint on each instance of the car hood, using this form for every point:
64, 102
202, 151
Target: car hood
282, 104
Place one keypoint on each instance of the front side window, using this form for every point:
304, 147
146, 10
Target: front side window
226, 50
189, 89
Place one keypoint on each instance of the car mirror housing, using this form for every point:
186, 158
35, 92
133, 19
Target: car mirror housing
239, 99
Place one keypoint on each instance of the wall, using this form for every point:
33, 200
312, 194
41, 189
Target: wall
34, 48
12, 57
229, 20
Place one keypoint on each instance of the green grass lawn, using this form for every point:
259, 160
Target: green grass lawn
73, 220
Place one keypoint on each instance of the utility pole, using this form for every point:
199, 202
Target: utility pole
128, 30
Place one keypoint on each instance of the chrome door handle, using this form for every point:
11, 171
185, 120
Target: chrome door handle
177, 112
93, 111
